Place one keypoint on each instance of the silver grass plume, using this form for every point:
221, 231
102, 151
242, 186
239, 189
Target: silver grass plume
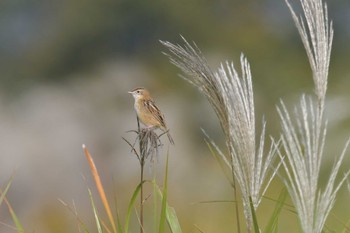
303, 139
231, 97
303, 149
317, 36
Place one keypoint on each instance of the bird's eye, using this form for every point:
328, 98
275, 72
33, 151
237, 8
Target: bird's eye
138, 92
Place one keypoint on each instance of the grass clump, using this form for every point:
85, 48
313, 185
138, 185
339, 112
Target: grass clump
301, 144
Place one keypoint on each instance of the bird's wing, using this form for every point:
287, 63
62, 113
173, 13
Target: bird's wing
155, 112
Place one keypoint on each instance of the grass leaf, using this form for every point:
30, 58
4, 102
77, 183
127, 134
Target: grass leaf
171, 216
255, 220
172, 220
97, 219
15, 219
131, 206
119, 224
100, 188
167, 212
164, 199
3, 194
273, 222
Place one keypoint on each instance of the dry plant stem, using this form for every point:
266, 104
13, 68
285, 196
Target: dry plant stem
148, 146
141, 200
142, 163
236, 198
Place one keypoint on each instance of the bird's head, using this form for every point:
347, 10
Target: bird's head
139, 93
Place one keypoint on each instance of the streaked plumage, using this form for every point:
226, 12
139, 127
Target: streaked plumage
148, 112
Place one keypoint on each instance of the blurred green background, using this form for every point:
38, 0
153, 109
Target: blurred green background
66, 67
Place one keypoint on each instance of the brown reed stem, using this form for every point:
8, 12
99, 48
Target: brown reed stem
142, 163
148, 146
141, 201
237, 210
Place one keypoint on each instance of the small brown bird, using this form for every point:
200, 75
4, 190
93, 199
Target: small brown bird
147, 111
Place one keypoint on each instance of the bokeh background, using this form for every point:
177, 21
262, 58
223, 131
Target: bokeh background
66, 67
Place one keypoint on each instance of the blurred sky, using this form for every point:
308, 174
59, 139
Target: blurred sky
66, 67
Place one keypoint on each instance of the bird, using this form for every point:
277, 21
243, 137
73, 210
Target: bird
148, 112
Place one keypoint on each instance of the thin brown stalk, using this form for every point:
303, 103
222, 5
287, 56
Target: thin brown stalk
141, 200
142, 163
236, 206
148, 142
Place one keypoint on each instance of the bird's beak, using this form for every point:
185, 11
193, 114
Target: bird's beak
130, 92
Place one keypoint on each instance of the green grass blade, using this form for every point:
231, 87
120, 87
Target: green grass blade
131, 206
167, 212
255, 220
3, 194
273, 222
173, 220
15, 219
120, 229
171, 216
119, 223
164, 199
155, 197
97, 219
